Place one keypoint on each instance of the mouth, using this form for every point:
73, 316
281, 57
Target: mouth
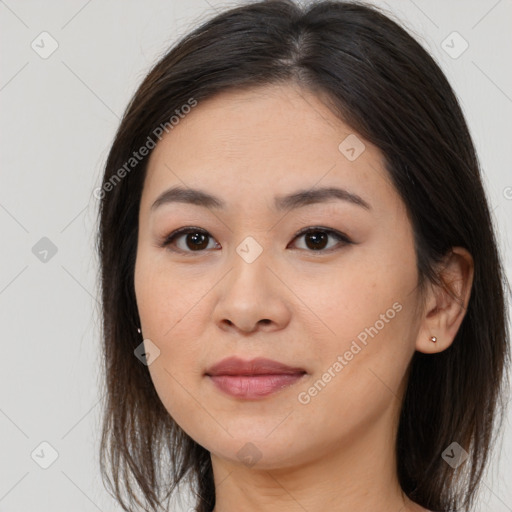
253, 379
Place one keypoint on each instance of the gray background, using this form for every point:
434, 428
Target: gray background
59, 115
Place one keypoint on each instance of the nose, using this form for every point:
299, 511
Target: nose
252, 297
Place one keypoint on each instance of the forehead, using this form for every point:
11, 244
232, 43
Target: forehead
263, 142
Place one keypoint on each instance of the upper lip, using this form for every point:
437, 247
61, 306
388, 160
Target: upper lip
258, 366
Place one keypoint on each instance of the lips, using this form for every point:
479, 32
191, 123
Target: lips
253, 380
258, 366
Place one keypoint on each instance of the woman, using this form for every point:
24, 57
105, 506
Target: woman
303, 301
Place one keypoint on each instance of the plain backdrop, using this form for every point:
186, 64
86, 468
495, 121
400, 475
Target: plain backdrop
68, 70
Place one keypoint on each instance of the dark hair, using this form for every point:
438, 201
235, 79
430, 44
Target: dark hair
380, 81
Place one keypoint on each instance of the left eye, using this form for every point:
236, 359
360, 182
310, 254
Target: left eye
317, 237
196, 239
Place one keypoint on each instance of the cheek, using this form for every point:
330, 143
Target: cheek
362, 298
172, 311
167, 298
169, 310
179, 393
371, 318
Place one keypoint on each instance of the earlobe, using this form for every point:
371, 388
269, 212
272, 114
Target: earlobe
446, 304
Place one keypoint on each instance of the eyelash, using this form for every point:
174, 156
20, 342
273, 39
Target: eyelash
341, 237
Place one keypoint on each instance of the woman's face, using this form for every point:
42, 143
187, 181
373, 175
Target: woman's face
243, 283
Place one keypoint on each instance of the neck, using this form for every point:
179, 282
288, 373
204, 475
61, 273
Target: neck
356, 475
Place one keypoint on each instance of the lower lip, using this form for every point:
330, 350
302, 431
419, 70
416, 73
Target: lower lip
254, 386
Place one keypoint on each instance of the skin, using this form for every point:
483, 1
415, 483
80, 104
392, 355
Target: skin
292, 304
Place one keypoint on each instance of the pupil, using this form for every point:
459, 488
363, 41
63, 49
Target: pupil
317, 236
197, 239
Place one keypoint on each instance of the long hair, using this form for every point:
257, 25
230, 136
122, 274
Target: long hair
379, 80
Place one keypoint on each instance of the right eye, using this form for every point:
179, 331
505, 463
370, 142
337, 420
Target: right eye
195, 240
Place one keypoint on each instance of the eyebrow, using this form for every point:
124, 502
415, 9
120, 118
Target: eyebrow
295, 200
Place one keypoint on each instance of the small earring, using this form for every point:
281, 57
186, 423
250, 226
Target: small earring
433, 339
138, 330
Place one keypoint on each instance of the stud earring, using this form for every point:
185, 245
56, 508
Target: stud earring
433, 339
138, 330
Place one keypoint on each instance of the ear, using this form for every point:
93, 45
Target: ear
446, 305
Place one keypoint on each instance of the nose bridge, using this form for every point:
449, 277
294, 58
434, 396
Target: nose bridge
251, 296
249, 262
248, 294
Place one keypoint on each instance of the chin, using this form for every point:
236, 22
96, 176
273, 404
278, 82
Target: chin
256, 449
